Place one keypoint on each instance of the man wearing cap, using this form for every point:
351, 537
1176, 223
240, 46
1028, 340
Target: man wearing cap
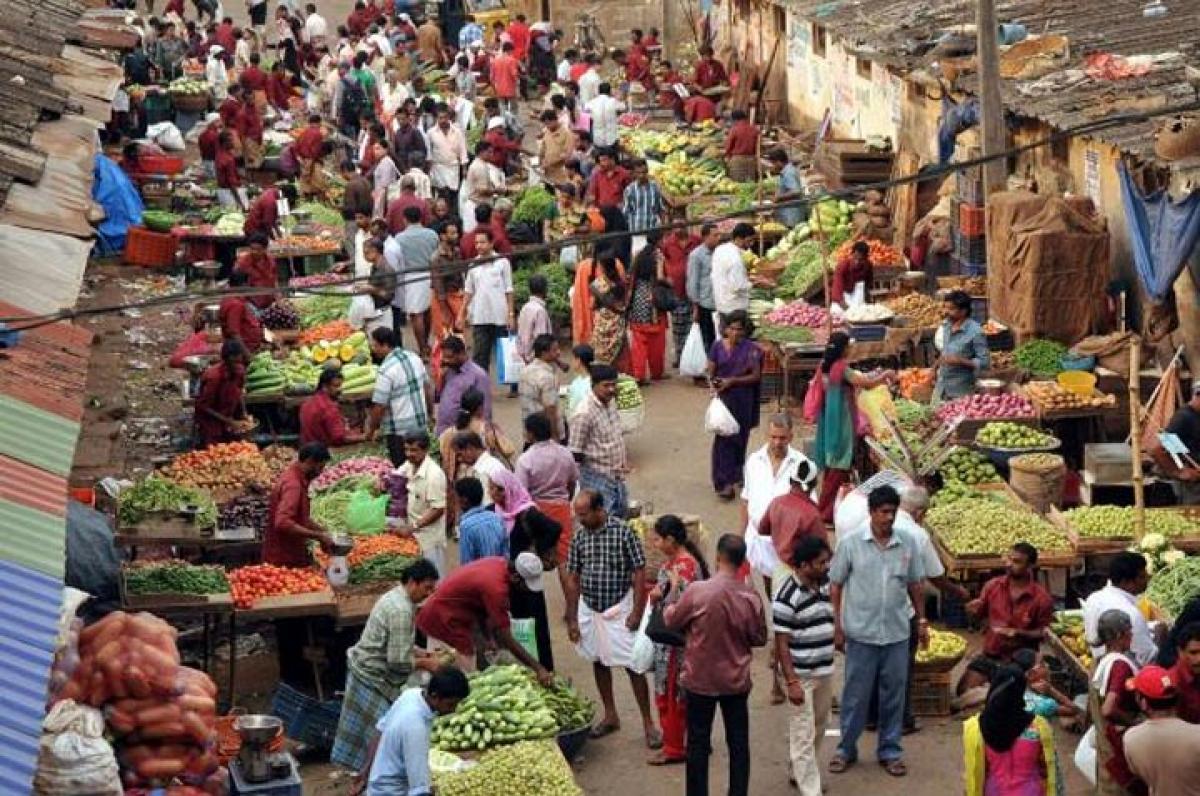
1185, 424
472, 606
1164, 750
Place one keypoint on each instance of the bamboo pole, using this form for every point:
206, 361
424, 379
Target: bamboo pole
1135, 430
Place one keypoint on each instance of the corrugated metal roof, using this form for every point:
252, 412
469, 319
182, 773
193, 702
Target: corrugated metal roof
902, 33
28, 627
33, 539
36, 436
48, 370
29, 486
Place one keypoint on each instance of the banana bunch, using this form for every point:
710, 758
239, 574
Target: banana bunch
943, 645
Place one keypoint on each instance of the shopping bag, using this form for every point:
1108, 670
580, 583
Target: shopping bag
693, 361
367, 514
1085, 755
524, 631
719, 420
641, 656
508, 361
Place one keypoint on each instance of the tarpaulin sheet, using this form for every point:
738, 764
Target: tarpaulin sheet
1049, 281
122, 205
1162, 234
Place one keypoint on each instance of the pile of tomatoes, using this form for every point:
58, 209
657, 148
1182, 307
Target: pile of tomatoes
248, 584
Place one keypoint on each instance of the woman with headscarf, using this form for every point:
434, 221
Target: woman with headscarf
1007, 750
830, 404
529, 530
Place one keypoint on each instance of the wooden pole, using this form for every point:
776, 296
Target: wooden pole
818, 230
1135, 431
990, 104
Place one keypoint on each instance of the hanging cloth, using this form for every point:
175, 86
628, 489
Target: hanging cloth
1162, 232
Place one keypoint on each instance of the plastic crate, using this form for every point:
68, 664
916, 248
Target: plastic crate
971, 220
969, 185
149, 249
970, 248
161, 164
306, 720
968, 268
930, 693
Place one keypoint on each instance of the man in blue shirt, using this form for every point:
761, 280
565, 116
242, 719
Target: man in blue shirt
481, 532
398, 762
791, 188
699, 283
964, 349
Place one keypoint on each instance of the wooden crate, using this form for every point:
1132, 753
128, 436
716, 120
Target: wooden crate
164, 525
354, 603
930, 693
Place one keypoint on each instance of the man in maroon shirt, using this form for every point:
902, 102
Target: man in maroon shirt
320, 418
260, 269
231, 109
229, 179
224, 37
1186, 673
675, 248
1015, 609
710, 72
483, 219
741, 148
608, 183
208, 142
698, 108
723, 620
253, 78
289, 524
263, 217
473, 603
236, 317
408, 198
279, 87
793, 515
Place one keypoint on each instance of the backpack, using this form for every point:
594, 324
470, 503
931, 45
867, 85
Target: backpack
354, 100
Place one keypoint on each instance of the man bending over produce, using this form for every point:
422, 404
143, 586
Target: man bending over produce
472, 605
320, 418
398, 762
220, 404
383, 662
289, 524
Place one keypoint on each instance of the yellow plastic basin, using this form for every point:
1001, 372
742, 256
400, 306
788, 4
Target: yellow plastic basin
1080, 382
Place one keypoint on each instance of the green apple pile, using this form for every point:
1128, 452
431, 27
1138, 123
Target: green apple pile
1012, 436
980, 526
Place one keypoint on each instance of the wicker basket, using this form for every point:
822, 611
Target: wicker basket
190, 103
1039, 485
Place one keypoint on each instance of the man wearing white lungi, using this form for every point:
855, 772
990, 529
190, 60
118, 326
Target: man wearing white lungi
447, 155
606, 595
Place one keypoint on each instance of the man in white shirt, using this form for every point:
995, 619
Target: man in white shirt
1127, 578
416, 173
315, 27
372, 310
730, 285
563, 72
768, 473
447, 153
426, 519
470, 450
589, 83
487, 299
605, 112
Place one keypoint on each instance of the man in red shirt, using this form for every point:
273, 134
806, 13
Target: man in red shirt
359, 20
253, 78
474, 601
1186, 672
279, 86
229, 180
851, 271
308, 148
1015, 610
219, 403
637, 67
698, 108
483, 220
793, 515
408, 198
580, 67
320, 418
289, 524
519, 32
251, 124
263, 217
506, 77
237, 319
231, 109
208, 142
608, 183
709, 71
741, 148
503, 149
259, 267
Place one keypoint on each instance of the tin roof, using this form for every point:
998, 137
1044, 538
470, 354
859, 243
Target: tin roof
28, 629
34, 539
903, 33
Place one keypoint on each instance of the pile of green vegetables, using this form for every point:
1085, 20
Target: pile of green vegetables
322, 214
975, 526
534, 205
912, 415
558, 282
174, 577
155, 494
518, 770
383, 567
571, 710
628, 395
1173, 588
329, 510
784, 334
805, 270
1118, 522
1040, 357
322, 308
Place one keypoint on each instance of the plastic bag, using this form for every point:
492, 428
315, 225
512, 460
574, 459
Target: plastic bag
73, 756
167, 136
693, 361
1085, 755
508, 362
367, 514
719, 420
641, 656
873, 404
525, 633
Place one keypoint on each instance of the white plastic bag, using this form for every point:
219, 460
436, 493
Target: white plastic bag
167, 136
719, 420
508, 361
693, 361
641, 656
1085, 755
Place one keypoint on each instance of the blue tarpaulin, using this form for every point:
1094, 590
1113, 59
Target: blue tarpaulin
1162, 233
122, 204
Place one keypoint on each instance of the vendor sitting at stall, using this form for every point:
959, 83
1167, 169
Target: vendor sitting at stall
320, 418
710, 73
741, 148
383, 662
289, 525
471, 607
850, 273
259, 267
220, 403
279, 86
308, 149
237, 316
263, 217
1185, 476
695, 109
963, 346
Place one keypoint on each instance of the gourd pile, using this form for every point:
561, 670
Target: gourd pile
628, 394
680, 175
968, 467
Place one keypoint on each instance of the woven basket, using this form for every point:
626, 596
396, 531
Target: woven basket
1039, 485
1178, 138
190, 103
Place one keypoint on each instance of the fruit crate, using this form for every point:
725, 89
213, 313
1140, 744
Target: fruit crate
971, 220
149, 249
930, 692
969, 185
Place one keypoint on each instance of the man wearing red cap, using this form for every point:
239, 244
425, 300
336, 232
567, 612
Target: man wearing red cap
1164, 750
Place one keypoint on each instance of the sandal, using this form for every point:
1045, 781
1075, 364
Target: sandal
839, 764
654, 740
601, 730
661, 759
894, 767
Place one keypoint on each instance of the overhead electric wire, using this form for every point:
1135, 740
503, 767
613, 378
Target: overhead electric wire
29, 322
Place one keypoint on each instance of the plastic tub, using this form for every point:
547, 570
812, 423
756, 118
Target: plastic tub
1080, 382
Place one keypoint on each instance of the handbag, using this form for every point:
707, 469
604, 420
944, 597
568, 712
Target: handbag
658, 632
664, 297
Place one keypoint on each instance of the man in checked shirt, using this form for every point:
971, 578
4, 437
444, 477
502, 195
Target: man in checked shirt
605, 596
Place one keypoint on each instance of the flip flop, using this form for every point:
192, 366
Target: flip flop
654, 740
663, 760
839, 765
894, 767
601, 730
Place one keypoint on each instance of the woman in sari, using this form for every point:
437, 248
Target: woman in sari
608, 312
647, 323
1008, 751
682, 565
830, 404
734, 370
1113, 707
529, 530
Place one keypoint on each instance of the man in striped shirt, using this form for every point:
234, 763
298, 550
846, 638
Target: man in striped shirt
803, 617
643, 206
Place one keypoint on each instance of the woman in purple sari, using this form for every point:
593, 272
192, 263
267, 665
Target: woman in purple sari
734, 368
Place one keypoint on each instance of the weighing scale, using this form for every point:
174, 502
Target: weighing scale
338, 571
205, 272
256, 770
